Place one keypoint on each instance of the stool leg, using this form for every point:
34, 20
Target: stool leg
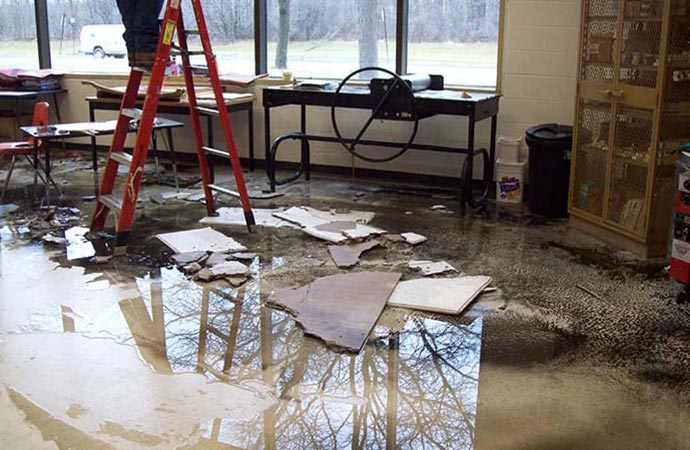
9, 175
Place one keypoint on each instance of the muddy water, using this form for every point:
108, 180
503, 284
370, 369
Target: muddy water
583, 347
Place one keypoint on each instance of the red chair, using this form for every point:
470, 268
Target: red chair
26, 148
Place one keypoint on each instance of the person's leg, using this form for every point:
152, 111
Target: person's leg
146, 30
128, 11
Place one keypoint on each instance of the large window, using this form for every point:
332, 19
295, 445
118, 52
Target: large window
330, 38
317, 39
455, 38
18, 48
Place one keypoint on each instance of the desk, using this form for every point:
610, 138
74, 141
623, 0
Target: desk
234, 102
83, 129
429, 103
18, 96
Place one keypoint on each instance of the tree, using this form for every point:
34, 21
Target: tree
283, 33
367, 33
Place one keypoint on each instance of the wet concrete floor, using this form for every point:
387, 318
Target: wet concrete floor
582, 347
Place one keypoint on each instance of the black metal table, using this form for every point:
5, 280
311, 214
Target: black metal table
19, 96
85, 129
476, 107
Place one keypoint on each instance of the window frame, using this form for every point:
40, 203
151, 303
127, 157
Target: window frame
261, 39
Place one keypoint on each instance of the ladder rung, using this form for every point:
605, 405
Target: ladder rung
132, 113
216, 152
180, 51
121, 158
192, 31
111, 202
208, 111
222, 190
198, 68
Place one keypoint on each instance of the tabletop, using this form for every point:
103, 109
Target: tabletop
29, 94
82, 129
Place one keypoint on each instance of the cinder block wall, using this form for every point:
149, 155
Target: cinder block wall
538, 78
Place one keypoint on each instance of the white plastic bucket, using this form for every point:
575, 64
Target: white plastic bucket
509, 149
510, 182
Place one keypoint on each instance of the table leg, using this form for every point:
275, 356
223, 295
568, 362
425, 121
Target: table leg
94, 151
492, 147
267, 141
171, 146
250, 126
465, 196
209, 134
57, 108
47, 170
17, 118
154, 142
306, 157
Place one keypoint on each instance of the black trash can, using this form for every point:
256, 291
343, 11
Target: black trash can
549, 169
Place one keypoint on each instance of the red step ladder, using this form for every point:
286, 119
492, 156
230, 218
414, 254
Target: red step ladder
125, 205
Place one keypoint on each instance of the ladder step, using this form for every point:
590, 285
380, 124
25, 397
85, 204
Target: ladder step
121, 158
216, 152
111, 202
132, 113
176, 51
223, 190
208, 111
192, 31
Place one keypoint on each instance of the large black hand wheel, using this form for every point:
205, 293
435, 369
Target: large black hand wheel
398, 88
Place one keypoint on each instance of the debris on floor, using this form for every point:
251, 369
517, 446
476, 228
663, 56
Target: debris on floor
202, 239
438, 207
182, 259
440, 295
54, 239
7, 209
339, 309
347, 256
234, 272
78, 246
331, 226
244, 256
235, 216
428, 268
413, 238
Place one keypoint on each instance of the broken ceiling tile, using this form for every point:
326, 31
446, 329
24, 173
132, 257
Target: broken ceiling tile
362, 217
340, 309
246, 256
428, 268
78, 246
192, 268
441, 295
346, 256
438, 207
229, 269
337, 227
413, 238
202, 239
335, 238
362, 232
235, 216
216, 258
54, 239
182, 259
302, 217
157, 198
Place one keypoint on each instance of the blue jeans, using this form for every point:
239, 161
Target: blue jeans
140, 18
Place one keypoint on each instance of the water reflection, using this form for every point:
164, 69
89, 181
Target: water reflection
413, 386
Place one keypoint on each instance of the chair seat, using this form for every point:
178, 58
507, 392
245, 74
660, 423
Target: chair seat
23, 147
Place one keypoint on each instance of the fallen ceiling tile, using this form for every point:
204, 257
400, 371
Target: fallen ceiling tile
428, 268
335, 238
362, 217
235, 216
346, 256
363, 232
340, 309
202, 239
216, 258
337, 226
413, 238
441, 295
309, 217
244, 256
78, 246
183, 259
229, 269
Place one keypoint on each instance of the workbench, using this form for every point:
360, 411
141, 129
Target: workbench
234, 102
429, 103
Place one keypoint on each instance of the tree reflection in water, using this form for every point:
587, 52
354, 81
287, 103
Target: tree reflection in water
414, 387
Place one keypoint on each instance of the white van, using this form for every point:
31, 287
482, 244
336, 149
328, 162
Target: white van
102, 40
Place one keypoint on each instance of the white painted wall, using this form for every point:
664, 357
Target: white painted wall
538, 82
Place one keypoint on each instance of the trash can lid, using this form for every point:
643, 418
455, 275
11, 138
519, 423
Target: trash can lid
551, 132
